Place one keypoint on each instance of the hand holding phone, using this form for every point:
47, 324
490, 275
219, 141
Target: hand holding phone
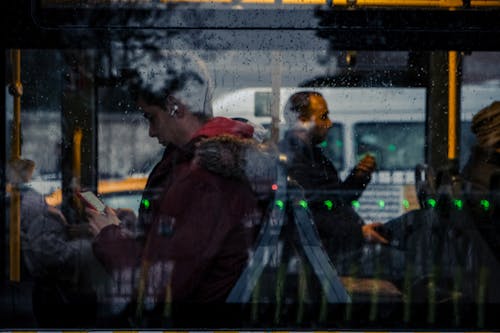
92, 201
367, 164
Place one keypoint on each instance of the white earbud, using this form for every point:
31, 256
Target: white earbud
174, 110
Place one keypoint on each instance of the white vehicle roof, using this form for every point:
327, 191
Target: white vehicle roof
357, 104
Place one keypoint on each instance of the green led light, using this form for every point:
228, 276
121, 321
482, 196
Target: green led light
458, 203
323, 144
381, 203
280, 204
303, 203
328, 204
406, 204
485, 204
432, 203
355, 204
338, 143
391, 147
145, 203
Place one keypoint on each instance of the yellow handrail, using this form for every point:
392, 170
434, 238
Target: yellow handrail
358, 3
15, 202
77, 155
452, 105
417, 3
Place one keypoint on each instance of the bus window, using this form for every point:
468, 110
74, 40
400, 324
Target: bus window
396, 146
118, 117
262, 104
41, 117
467, 141
334, 146
380, 140
365, 120
312, 266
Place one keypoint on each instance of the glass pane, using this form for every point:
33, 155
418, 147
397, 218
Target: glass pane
334, 146
396, 146
310, 260
262, 104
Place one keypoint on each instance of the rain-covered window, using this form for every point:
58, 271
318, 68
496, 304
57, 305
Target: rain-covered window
268, 166
396, 146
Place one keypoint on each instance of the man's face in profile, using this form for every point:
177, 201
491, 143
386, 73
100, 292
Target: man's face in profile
319, 118
161, 125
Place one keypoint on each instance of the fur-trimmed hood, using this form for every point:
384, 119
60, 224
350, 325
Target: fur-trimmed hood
240, 158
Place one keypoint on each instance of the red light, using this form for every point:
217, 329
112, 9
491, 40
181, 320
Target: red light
274, 187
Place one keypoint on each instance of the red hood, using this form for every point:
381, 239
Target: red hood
220, 125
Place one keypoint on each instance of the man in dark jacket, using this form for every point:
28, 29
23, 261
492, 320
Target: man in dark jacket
481, 175
341, 229
198, 225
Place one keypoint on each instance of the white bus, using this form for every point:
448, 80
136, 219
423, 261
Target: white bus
388, 123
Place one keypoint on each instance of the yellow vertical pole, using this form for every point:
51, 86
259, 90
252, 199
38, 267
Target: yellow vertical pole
452, 105
15, 203
77, 155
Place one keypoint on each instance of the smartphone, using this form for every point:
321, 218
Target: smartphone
92, 201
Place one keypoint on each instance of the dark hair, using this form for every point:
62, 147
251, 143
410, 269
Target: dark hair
154, 75
137, 91
298, 105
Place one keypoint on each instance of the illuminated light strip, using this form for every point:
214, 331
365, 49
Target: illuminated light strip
133, 2
104, 187
128, 184
399, 3
387, 3
197, 1
354, 331
485, 3
304, 2
258, 1
78, 3
452, 105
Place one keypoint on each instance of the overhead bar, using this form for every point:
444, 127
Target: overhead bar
416, 3
340, 3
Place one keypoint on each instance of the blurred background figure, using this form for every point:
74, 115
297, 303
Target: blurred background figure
62, 269
36, 217
481, 175
341, 229
484, 161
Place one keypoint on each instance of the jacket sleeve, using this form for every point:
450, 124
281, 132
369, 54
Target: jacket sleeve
340, 229
354, 185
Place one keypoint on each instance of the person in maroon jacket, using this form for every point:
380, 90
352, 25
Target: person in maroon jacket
198, 226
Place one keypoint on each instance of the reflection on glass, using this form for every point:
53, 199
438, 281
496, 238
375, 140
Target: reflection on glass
427, 272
